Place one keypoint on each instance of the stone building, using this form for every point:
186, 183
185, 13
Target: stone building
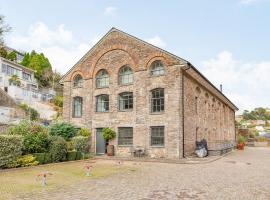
150, 97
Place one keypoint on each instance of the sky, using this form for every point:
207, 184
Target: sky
227, 40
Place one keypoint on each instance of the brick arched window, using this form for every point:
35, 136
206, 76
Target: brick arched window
102, 79
157, 68
78, 81
157, 100
77, 107
102, 103
125, 75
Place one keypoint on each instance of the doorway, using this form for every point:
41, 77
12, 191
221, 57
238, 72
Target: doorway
100, 142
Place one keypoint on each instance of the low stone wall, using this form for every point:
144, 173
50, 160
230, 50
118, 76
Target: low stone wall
218, 148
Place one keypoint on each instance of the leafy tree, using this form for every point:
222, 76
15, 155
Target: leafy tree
108, 133
41, 65
12, 56
256, 114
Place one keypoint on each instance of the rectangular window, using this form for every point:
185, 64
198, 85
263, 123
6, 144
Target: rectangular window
102, 103
157, 100
157, 136
125, 136
26, 76
4, 68
126, 101
77, 106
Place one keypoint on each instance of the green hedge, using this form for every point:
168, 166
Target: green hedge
58, 149
79, 155
47, 158
71, 155
40, 157
10, 150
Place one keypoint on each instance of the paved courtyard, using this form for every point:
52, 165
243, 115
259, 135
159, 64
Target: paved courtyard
239, 175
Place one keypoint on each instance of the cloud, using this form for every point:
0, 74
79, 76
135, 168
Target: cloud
59, 45
245, 83
110, 11
248, 2
157, 41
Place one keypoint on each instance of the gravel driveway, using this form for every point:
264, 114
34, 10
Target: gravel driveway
239, 175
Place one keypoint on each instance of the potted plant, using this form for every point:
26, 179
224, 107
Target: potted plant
109, 134
241, 142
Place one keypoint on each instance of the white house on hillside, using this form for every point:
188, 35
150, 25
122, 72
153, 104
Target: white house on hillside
27, 91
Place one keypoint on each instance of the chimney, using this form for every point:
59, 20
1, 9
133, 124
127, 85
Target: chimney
220, 88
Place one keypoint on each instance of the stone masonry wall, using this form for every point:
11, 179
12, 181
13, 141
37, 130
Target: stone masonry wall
206, 117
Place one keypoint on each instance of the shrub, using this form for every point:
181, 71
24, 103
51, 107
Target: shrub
47, 158
81, 143
22, 128
241, 139
10, 150
34, 115
58, 149
78, 155
71, 155
70, 145
27, 160
58, 101
40, 157
84, 132
35, 136
108, 133
64, 130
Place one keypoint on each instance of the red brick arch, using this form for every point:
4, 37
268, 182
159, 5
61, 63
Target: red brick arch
125, 48
76, 73
152, 58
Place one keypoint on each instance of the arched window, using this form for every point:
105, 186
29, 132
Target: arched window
126, 101
157, 100
77, 107
125, 75
102, 103
102, 79
157, 68
78, 81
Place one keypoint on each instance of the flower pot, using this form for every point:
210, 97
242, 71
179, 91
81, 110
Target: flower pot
110, 150
240, 146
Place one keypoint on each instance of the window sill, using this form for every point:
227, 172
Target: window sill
125, 84
102, 87
102, 111
125, 145
157, 146
151, 76
130, 110
77, 117
77, 87
157, 113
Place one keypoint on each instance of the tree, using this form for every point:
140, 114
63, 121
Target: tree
256, 114
4, 28
12, 56
41, 65
3, 52
14, 80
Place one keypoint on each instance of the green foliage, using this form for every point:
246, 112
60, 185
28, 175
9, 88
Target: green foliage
47, 158
256, 114
58, 101
58, 149
12, 56
79, 155
3, 52
40, 157
34, 115
84, 132
65, 130
108, 133
35, 136
241, 139
71, 155
27, 160
10, 150
41, 65
81, 143
14, 80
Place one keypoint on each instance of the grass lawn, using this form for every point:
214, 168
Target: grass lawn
24, 180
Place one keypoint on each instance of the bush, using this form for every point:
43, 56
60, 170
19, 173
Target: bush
27, 160
40, 157
81, 143
34, 115
10, 150
70, 145
58, 101
79, 155
64, 130
35, 136
84, 132
241, 139
58, 149
71, 155
47, 158
108, 133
